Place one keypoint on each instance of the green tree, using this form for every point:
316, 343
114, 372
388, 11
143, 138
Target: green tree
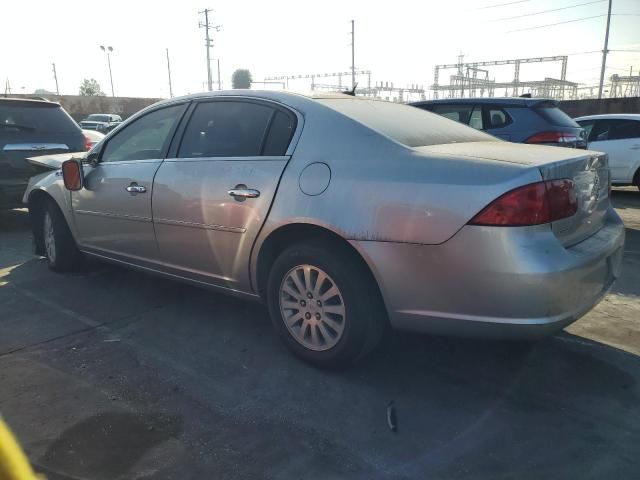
241, 78
90, 88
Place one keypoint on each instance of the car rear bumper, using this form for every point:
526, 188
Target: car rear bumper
496, 282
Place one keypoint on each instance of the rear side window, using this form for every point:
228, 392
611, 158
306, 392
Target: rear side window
552, 114
459, 113
280, 132
35, 118
225, 129
497, 118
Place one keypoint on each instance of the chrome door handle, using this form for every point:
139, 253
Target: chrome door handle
241, 192
134, 189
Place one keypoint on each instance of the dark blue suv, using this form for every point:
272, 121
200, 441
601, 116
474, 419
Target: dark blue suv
522, 120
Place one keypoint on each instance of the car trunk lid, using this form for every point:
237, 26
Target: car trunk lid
588, 170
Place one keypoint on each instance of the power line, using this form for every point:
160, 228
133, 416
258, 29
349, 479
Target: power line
502, 4
547, 11
559, 23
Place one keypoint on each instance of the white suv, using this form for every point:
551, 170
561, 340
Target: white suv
619, 136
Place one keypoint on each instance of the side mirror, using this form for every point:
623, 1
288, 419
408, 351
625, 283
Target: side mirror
72, 175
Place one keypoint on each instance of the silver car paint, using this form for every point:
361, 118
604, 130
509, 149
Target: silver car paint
404, 209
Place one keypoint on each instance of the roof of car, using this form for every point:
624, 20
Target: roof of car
28, 102
514, 101
611, 116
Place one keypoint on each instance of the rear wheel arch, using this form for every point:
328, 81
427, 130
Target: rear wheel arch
283, 237
636, 178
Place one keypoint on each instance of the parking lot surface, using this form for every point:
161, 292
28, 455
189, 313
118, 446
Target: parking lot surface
114, 374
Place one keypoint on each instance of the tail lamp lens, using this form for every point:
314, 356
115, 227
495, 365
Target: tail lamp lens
87, 143
532, 204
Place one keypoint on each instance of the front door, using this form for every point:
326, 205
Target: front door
210, 201
113, 211
620, 139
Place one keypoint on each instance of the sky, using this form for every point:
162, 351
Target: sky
398, 41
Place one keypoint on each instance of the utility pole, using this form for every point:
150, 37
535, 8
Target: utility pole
169, 72
55, 76
208, 43
219, 84
604, 52
353, 56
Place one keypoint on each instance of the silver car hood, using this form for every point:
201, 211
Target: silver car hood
54, 162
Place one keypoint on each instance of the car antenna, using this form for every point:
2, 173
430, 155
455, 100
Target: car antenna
351, 92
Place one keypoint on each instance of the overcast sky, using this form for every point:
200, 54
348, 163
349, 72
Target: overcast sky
399, 41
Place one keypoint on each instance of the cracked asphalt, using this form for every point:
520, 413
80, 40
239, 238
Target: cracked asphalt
113, 374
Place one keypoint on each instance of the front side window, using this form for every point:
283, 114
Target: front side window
588, 127
475, 120
146, 138
623, 129
226, 129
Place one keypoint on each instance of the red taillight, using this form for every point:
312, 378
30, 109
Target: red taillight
87, 143
552, 137
532, 204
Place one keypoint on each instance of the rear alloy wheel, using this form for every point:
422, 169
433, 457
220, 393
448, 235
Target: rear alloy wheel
324, 304
312, 307
59, 247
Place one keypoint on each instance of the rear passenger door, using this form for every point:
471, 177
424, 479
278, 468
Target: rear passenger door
212, 197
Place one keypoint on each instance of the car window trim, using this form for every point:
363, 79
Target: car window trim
165, 148
179, 136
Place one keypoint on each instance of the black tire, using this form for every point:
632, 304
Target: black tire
62, 254
365, 318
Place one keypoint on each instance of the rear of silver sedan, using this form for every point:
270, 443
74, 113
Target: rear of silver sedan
531, 262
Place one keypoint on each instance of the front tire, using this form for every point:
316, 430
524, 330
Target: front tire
324, 304
59, 247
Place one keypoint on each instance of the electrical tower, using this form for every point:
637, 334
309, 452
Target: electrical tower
208, 42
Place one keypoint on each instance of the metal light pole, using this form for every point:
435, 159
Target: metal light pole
108, 51
353, 57
604, 52
169, 71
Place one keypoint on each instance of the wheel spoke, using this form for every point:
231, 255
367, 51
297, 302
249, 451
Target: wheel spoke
335, 309
290, 304
307, 278
286, 288
335, 326
314, 335
296, 279
324, 332
332, 292
295, 318
319, 282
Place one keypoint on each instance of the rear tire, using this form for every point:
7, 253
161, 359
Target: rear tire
59, 247
324, 304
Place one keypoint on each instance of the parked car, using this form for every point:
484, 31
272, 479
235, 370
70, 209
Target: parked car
93, 137
27, 128
343, 214
102, 122
618, 135
522, 120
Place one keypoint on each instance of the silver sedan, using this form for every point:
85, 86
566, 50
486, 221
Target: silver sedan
344, 215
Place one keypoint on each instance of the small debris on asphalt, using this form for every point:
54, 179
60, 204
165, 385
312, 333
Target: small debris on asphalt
392, 419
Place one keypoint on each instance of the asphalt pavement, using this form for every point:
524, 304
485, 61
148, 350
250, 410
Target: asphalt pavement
114, 374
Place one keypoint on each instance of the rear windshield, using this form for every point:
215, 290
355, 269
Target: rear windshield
98, 118
35, 118
552, 114
408, 125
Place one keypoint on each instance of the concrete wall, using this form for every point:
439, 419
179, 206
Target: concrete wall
79, 106
577, 108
